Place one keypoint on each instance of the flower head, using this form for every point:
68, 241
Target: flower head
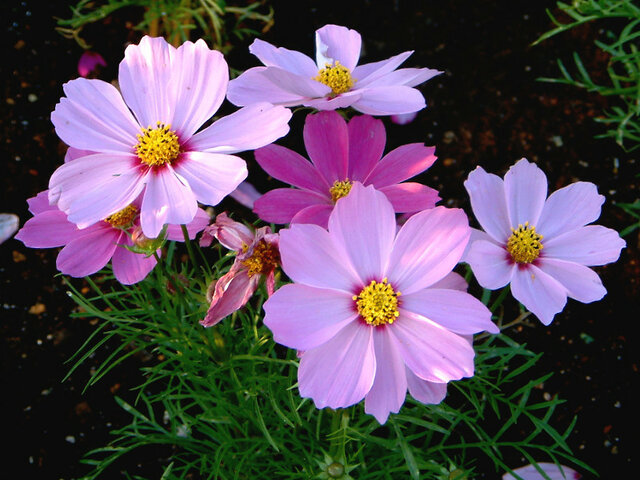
366, 307
257, 257
88, 250
542, 246
341, 154
334, 80
143, 138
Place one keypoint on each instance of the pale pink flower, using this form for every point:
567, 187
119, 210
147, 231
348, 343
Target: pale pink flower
366, 309
89, 62
551, 470
334, 80
542, 246
145, 139
341, 154
88, 250
256, 257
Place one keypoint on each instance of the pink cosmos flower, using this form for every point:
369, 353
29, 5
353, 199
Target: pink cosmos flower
341, 154
334, 80
89, 62
366, 308
145, 139
256, 257
88, 250
542, 246
551, 470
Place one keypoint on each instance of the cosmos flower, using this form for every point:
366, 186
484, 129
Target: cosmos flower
341, 154
334, 80
144, 138
256, 257
367, 299
88, 250
89, 63
551, 470
542, 246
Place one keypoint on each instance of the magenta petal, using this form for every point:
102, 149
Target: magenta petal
489, 204
290, 167
280, 205
47, 229
310, 257
253, 86
411, 196
389, 100
390, 383
232, 291
525, 188
425, 391
40, 203
289, 60
540, 293
348, 376
316, 214
337, 43
89, 61
130, 267
304, 317
427, 248
367, 139
591, 245
326, 138
90, 252
400, 164
456, 311
582, 283
490, 263
199, 222
431, 352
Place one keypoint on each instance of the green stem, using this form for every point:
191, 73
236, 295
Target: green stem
187, 242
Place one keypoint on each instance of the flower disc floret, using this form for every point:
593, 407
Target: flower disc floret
337, 77
340, 189
124, 218
158, 146
524, 243
377, 303
264, 259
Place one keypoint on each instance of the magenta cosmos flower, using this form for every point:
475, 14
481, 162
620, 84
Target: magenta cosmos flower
145, 141
257, 257
365, 308
334, 80
341, 154
88, 250
542, 246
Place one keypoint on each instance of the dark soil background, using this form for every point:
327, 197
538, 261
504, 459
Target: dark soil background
487, 109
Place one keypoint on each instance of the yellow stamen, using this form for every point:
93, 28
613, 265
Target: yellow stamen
340, 189
337, 77
265, 258
524, 243
157, 146
378, 303
123, 218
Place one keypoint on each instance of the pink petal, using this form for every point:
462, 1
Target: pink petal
363, 225
400, 164
334, 42
427, 248
367, 138
290, 167
315, 214
452, 281
40, 203
551, 470
456, 311
88, 62
254, 86
304, 317
343, 100
148, 80
425, 391
199, 222
404, 118
211, 176
280, 205
129, 267
167, 199
247, 129
305, 87
591, 245
245, 194
431, 352
369, 72
232, 292
94, 117
326, 139
47, 229
411, 197
289, 60
348, 377
581, 283
390, 383
9, 223
75, 153
200, 80
569, 208
389, 100
489, 204
89, 252
491, 264
525, 188
540, 293
409, 77
310, 257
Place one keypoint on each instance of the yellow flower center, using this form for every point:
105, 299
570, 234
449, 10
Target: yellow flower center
157, 146
524, 243
337, 77
265, 258
340, 189
123, 218
378, 303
